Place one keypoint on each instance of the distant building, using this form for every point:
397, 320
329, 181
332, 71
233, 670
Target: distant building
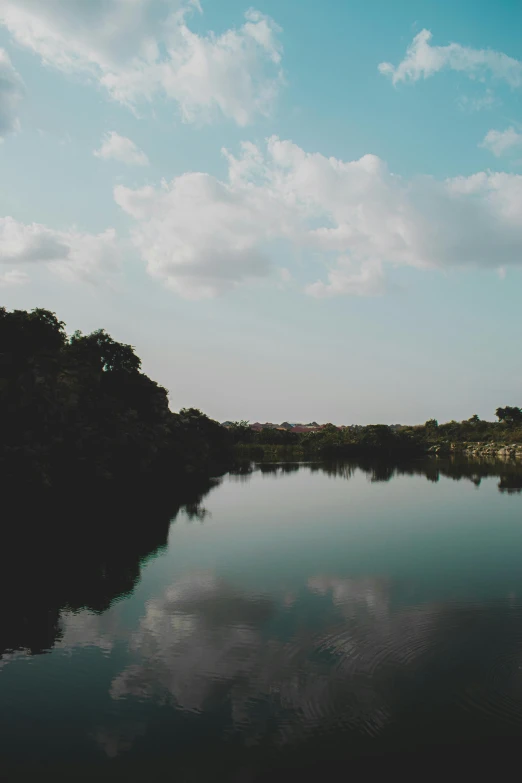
296, 427
303, 428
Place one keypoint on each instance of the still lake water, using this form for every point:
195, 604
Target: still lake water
295, 618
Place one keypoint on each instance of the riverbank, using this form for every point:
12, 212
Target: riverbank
327, 451
471, 449
474, 449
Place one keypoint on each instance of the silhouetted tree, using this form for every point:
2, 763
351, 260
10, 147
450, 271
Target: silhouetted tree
80, 410
509, 415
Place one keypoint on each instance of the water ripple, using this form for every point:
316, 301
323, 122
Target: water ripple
371, 667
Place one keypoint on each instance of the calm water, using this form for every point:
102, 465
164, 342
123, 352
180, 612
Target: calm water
295, 617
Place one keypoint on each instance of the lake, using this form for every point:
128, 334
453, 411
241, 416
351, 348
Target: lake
290, 620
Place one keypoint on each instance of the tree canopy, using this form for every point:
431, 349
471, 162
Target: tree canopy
79, 409
509, 415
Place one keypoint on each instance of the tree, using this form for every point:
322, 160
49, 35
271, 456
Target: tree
24, 334
241, 431
80, 410
100, 349
509, 415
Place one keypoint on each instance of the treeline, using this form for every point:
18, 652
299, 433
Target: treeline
327, 442
380, 438
78, 411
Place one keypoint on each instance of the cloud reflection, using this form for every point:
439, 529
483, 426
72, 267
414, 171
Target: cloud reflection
89, 629
204, 645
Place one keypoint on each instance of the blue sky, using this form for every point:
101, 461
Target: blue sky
292, 211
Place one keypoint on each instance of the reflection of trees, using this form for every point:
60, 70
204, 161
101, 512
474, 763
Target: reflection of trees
335, 469
87, 557
453, 468
271, 468
510, 483
473, 470
241, 472
277, 468
92, 554
290, 467
383, 470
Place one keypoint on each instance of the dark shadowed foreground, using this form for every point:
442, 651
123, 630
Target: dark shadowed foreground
280, 622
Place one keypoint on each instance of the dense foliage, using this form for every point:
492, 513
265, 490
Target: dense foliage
78, 410
380, 438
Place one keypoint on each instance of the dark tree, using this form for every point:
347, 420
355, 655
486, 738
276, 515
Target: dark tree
509, 415
100, 349
80, 411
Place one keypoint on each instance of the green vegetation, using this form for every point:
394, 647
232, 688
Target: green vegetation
78, 411
379, 439
327, 442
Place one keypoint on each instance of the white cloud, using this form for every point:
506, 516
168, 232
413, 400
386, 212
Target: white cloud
142, 49
501, 142
121, 148
365, 279
202, 236
71, 254
423, 60
471, 103
11, 93
13, 278
198, 235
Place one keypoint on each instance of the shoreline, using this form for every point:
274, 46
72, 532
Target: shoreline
474, 449
470, 449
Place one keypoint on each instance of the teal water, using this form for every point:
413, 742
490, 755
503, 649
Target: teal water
295, 617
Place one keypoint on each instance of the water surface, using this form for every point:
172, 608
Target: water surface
296, 617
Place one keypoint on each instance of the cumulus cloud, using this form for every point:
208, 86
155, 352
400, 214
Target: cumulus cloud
72, 254
11, 93
202, 235
121, 148
502, 142
422, 60
142, 49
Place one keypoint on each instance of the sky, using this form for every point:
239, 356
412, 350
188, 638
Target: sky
294, 211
